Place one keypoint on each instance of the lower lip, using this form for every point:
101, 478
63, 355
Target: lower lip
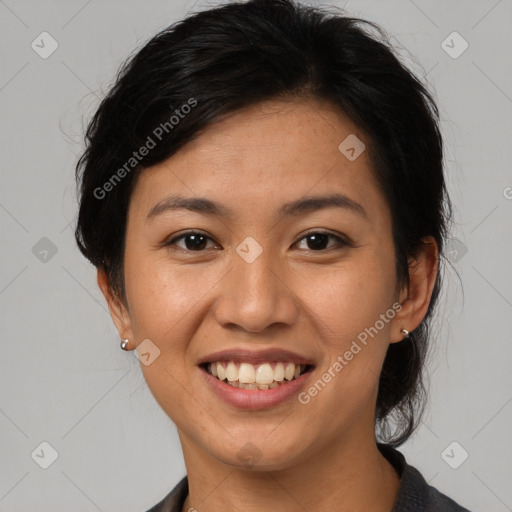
255, 398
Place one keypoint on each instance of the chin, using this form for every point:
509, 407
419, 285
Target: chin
255, 453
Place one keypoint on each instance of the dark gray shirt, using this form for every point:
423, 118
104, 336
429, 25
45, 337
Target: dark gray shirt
414, 494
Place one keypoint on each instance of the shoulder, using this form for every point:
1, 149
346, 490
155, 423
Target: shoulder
174, 501
414, 493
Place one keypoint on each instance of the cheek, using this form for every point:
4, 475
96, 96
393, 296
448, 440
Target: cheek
352, 304
160, 296
350, 296
164, 303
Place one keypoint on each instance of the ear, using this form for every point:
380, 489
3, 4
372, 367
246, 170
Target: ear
118, 311
415, 300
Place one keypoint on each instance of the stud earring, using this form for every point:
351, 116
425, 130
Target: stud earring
406, 333
124, 343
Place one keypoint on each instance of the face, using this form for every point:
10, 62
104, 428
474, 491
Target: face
260, 244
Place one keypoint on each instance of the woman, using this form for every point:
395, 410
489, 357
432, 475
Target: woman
262, 194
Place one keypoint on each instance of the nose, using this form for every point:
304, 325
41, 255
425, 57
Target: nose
255, 296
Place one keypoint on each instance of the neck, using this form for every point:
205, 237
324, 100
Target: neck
352, 476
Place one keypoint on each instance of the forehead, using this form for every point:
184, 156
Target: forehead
269, 153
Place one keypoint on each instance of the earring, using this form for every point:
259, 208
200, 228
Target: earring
406, 333
124, 343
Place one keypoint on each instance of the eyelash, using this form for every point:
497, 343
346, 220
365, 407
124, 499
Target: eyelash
340, 241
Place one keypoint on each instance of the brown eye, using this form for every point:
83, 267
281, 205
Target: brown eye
192, 241
320, 241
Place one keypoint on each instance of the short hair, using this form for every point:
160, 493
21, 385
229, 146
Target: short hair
235, 55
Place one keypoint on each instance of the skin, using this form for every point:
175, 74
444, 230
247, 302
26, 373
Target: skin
317, 456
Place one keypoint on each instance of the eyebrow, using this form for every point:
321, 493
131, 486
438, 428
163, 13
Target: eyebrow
298, 207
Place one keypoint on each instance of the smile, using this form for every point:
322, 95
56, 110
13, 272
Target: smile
267, 375
256, 379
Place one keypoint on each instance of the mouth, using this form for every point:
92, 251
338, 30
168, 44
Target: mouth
261, 376
255, 380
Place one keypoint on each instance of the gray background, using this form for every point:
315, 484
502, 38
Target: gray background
64, 379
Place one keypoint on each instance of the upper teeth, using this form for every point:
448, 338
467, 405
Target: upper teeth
246, 373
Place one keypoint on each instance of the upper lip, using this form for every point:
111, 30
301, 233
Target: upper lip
256, 356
